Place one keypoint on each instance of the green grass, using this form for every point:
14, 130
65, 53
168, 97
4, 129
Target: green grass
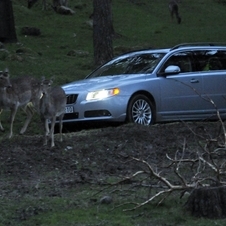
141, 26
76, 210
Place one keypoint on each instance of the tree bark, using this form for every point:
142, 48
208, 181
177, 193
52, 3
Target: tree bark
208, 202
7, 26
102, 31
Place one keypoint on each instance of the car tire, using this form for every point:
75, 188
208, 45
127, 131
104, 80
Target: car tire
140, 110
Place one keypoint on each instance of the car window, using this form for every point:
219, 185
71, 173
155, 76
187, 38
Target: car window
210, 60
183, 60
137, 64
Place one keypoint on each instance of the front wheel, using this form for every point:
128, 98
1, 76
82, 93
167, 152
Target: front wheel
140, 110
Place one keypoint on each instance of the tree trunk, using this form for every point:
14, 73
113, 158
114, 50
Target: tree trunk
102, 31
209, 202
7, 26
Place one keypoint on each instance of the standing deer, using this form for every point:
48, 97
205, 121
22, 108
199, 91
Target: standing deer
174, 10
18, 92
52, 105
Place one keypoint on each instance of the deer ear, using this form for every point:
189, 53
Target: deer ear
52, 79
6, 71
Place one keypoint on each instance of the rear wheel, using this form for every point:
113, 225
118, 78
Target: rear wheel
140, 110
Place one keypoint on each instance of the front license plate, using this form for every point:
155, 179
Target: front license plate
69, 110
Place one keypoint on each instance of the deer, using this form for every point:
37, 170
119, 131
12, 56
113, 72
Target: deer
18, 92
52, 105
174, 10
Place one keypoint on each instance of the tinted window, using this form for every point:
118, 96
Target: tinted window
210, 60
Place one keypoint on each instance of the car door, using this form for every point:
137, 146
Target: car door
214, 82
181, 92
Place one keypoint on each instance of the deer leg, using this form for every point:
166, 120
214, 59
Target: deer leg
12, 117
178, 20
172, 14
1, 127
61, 126
29, 112
46, 131
52, 131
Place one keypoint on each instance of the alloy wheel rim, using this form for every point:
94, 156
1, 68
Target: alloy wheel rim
141, 112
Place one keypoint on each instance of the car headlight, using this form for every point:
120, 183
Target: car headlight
101, 94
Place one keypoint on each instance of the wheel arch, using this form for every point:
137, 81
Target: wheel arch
149, 96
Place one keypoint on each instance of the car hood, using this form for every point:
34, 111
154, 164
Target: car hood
103, 82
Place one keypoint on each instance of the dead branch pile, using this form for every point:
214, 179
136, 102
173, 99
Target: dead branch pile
198, 170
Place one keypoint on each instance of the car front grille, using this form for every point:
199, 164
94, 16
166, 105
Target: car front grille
71, 99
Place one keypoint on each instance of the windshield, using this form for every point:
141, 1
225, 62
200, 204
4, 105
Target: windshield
136, 64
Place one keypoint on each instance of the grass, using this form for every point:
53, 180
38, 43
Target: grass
141, 26
75, 210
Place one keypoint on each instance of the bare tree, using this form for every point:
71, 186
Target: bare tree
102, 31
7, 26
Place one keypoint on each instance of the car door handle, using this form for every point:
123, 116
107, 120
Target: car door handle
194, 81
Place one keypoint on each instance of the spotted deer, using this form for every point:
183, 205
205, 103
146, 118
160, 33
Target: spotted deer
52, 105
18, 92
174, 10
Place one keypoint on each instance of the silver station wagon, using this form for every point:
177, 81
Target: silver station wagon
186, 82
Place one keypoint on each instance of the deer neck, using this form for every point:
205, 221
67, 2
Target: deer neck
45, 103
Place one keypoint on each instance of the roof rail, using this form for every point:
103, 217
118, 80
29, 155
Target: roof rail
198, 44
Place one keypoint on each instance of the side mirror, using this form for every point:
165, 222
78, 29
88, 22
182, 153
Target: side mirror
172, 69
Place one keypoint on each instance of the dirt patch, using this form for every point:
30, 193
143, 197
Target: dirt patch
91, 156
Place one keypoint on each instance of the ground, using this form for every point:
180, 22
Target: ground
92, 155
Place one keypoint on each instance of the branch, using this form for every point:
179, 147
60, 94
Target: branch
138, 205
